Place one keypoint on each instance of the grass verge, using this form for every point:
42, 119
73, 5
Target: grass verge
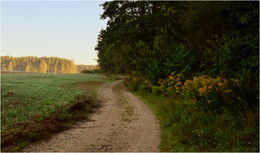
185, 128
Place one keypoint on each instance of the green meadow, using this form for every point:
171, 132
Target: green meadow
36, 97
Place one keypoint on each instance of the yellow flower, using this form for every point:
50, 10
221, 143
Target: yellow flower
179, 83
187, 83
201, 90
209, 101
203, 83
220, 84
179, 75
196, 79
171, 77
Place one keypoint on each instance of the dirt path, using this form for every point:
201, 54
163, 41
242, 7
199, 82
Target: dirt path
122, 124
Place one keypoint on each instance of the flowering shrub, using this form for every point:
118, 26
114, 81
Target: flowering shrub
211, 94
138, 82
203, 111
170, 85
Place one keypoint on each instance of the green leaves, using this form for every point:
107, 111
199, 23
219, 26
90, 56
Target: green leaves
156, 38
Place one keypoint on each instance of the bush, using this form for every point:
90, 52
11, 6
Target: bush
157, 62
91, 71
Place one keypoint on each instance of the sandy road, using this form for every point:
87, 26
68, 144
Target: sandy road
122, 124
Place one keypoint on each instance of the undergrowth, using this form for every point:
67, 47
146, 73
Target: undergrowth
186, 126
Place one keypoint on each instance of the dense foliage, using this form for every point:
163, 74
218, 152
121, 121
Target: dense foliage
196, 62
157, 38
38, 64
202, 113
154, 39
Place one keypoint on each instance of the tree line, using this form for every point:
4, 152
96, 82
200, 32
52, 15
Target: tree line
38, 64
157, 38
82, 67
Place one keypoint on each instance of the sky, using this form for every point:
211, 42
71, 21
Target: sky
66, 29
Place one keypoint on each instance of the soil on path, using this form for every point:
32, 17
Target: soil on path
122, 124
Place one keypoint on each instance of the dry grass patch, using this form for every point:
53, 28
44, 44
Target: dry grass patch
90, 86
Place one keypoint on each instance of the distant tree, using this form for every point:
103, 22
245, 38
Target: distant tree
3, 68
43, 66
72, 66
28, 68
10, 67
36, 64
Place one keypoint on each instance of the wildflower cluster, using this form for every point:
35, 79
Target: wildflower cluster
210, 93
173, 84
138, 82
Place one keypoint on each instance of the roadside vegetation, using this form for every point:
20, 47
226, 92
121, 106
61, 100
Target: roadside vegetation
35, 105
195, 63
202, 113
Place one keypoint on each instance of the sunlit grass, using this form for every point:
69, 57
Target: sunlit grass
24, 96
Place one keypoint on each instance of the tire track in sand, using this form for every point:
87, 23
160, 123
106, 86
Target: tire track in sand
122, 124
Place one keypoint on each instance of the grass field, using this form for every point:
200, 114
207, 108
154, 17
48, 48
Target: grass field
34, 97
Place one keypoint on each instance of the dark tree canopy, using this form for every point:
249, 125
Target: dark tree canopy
157, 38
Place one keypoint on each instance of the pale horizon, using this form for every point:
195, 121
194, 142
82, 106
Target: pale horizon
64, 29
